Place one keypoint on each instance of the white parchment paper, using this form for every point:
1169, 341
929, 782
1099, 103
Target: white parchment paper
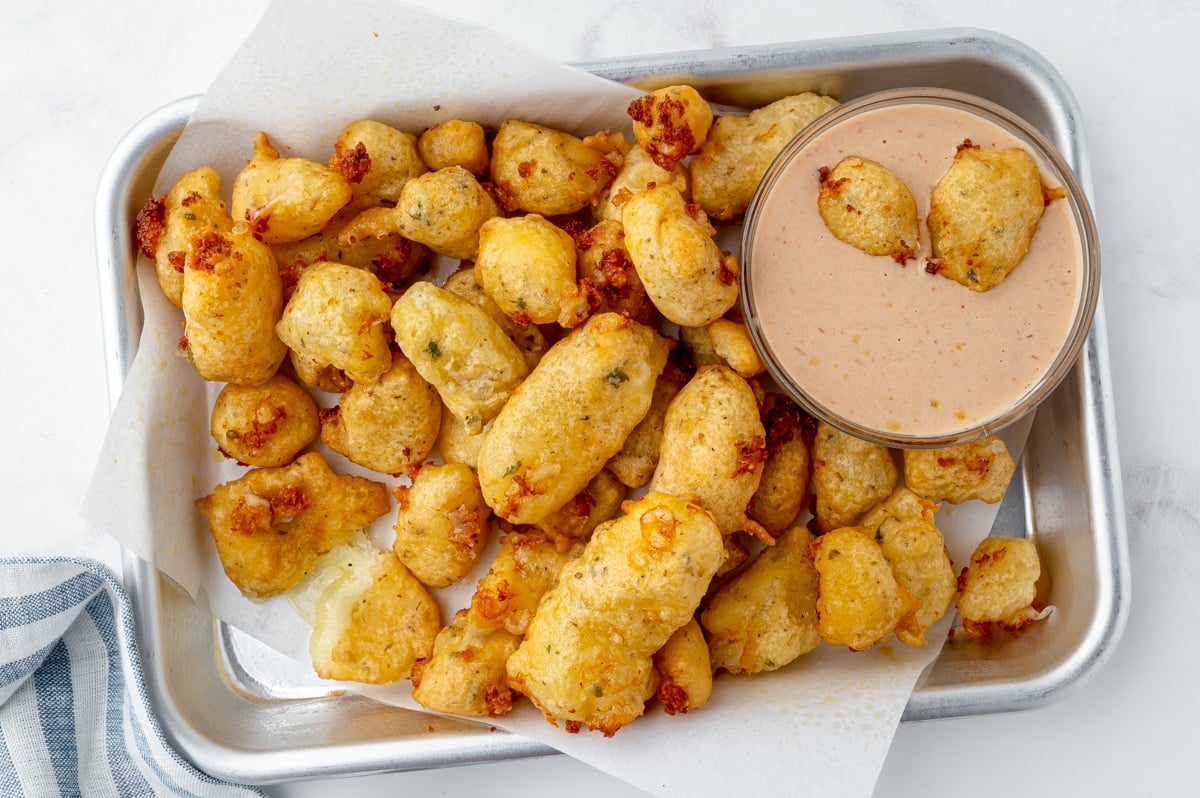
308, 69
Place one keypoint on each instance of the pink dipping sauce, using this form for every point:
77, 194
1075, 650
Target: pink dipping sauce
892, 352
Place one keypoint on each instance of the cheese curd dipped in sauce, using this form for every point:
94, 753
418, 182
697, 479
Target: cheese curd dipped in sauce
885, 347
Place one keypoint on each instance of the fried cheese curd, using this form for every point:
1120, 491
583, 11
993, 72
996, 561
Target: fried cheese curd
232, 299
376, 160
455, 142
684, 272
527, 266
388, 426
766, 616
372, 619
859, 600
444, 210
458, 443
670, 123
164, 227
570, 415
442, 523
782, 492
391, 257
466, 672
903, 525
864, 204
603, 263
550, 172
713, 446
525, 567
998, 588
272, 524
980, 470
639, 173
685, 678
735, 156
637, 459
599, 501
587, 656
317, 375
849, 475
528, 338
336, 317
286, 199
266, 424
984, 212
460, 350
732, 343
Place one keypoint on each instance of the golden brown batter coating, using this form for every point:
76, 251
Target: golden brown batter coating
685, 677
685, 274
866, 206
766, 616
266, 424
164, 227
727, 170
377, 160
374, 623
389, 426
587, 655
232, 299
286, 199
859, 602
713, 446
849, 475
272, 524
783, 489
455, 142
904, 527
999, 586
980, 470
540, 170
570, 415
460, 350
983, 214
670, 123
336, 317
465, 674
442, 524
525, 568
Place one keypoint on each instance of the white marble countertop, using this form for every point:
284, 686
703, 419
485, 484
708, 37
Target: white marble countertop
74, 77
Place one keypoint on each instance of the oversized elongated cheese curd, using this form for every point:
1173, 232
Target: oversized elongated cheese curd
232, 298
458, 349
572, 413
713, 445
587, 655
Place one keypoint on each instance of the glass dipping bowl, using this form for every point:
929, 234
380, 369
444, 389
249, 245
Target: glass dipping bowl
896, 367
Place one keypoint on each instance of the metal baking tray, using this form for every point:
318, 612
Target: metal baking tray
243, 712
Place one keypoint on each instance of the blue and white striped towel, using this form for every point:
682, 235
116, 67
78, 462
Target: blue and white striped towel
75, 718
